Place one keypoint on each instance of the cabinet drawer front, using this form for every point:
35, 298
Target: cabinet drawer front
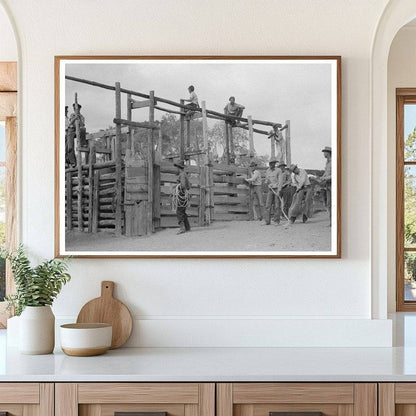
405, 393
252, 393
138, 393
27, 393
112, 409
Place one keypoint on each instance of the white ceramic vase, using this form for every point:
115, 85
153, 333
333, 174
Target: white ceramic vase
37, 330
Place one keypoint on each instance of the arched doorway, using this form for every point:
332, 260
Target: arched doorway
396, 14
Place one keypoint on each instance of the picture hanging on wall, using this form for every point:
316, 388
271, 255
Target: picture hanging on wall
196, 156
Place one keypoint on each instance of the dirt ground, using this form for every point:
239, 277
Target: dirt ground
315, 235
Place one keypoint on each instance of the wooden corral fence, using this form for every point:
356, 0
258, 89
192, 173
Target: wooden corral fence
114, 189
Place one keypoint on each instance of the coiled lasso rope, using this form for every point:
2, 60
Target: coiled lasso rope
180, 198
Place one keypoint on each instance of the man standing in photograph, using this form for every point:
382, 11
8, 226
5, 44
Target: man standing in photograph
286, 190
71, 134
233, 109
182, 198
302, 200
326, 178
273, 200
257, 191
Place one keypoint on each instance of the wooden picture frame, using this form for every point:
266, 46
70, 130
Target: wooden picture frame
121, 214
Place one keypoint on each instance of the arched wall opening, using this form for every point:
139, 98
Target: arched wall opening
396, 15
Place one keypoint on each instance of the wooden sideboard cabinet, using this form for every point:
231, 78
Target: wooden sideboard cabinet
27, 399
397, 399
153, 399
297, 399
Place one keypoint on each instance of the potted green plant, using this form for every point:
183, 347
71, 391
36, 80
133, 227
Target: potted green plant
36, 289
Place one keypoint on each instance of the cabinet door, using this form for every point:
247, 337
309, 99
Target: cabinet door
26, 399
297, 399
143, 399
397, 399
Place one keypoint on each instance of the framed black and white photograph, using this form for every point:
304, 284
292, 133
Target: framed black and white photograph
198, 156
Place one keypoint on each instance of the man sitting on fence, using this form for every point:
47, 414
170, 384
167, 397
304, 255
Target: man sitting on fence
193, 105
71, 134
302, 200
257, 191
233, 109
181, 198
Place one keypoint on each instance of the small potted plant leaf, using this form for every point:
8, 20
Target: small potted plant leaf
36, 289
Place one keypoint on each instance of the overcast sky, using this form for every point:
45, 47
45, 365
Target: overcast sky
273, 91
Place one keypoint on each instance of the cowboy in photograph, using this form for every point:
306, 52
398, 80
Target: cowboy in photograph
326, 178
273, 200
182, 198
233, 109
72, 133
192, 100
302, 200
257, 191
286, 190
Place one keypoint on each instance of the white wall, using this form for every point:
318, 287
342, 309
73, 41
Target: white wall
179, 302
8, 47
401, 74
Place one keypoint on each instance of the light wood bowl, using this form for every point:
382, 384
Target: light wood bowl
85, 340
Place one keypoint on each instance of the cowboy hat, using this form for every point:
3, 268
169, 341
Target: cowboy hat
281, 164
273, 160
327, 149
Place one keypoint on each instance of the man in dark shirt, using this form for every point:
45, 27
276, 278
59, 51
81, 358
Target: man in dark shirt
182, 198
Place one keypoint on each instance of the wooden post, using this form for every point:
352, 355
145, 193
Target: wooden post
79, 168
150, 158
250, 136
232, 152
188, 134
117, 151
250, 196
91, 161
227, 144
288, 150
129, 144
156, 182
182, 134
207, 191
96, 201
272, 147
68, 191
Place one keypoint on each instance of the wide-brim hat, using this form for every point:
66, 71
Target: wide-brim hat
327, 149
180, 164
273, 160
281, 164
293, 167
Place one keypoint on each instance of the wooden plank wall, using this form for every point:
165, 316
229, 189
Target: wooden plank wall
231, 194
98, 206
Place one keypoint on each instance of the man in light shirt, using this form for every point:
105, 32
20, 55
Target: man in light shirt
193, 101
233, 109
257, 191
302, 200
273, 200
286, 190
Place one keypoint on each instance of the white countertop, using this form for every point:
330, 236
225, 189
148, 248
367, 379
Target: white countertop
213, 364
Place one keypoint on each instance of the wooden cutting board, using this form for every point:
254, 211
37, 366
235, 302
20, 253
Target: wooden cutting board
107, 309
